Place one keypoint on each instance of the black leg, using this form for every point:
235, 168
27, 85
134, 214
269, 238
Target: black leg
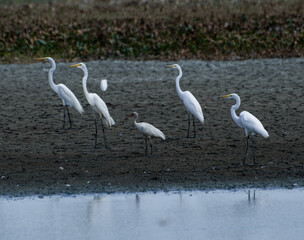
194, 126
69, 116
146, 152
63, 122
246, 149
104, 134
151, 147
253, 150
188, 124
95, 146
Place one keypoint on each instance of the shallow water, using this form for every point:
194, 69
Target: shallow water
243, 214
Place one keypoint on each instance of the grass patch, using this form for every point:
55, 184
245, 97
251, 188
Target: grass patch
219, 29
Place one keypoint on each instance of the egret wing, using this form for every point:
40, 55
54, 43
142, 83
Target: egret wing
102, 108
149, 130
193, 106
252, 124
69, 98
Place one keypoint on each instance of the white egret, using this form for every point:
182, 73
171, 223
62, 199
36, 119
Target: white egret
246, 120
98, 105
190, 102
148, 130
103, 85
67, 96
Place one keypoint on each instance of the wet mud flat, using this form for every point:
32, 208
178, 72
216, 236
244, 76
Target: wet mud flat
37, 157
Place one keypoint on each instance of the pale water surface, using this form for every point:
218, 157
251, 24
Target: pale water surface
264, 214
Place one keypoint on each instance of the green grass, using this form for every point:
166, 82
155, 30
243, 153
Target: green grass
199, 29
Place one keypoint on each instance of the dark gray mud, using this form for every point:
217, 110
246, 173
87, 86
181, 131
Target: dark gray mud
37, 157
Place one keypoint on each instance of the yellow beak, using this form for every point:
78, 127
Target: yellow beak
224, 96
170, 66
76, 65
44, 58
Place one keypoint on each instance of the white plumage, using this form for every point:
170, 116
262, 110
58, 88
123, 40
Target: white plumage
68, 98
148, 130
66, 95
98, 105
192, 105
252, 125
246, 120
104, 85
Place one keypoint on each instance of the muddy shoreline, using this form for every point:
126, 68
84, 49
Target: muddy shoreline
37, 157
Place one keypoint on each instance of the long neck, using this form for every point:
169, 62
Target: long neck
84, 83
235, 118
178, 89
135, 118
50, 75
